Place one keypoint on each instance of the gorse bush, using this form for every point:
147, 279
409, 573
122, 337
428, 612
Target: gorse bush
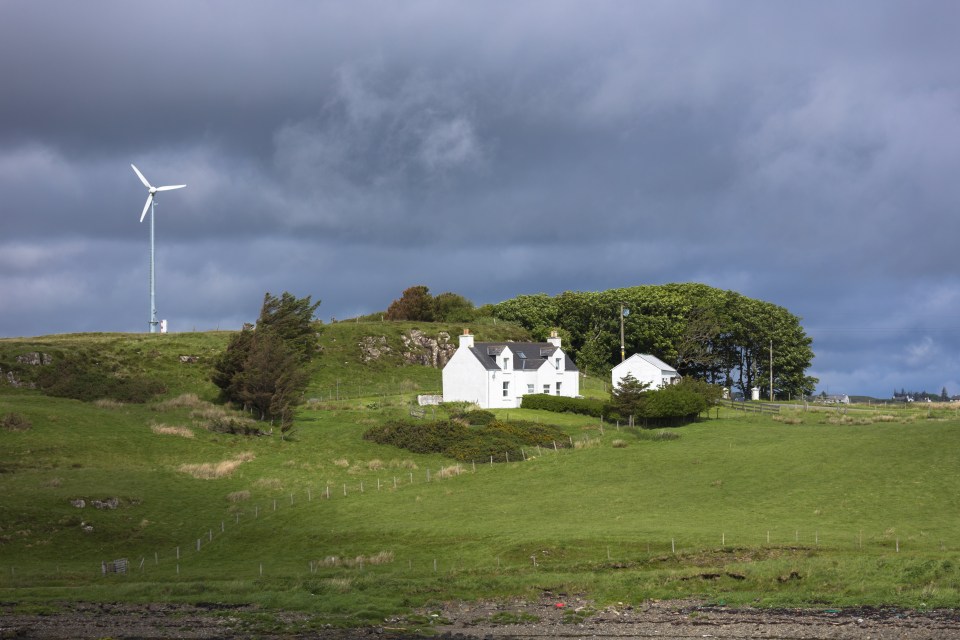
497, 440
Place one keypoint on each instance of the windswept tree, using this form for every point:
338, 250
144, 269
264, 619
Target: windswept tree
264, 368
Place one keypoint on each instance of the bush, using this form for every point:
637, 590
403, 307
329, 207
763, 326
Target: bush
15, 422
496, 440
478, 417
81, 377
562, 404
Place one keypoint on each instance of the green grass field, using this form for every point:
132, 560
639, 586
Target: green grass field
806, 509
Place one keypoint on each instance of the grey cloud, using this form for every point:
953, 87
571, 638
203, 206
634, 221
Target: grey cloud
802, 154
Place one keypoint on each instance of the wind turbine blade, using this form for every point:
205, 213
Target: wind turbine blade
169, 187
146, 207
142, 179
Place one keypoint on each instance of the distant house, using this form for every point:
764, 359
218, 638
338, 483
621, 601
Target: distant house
645, 368
497, 375
838, 398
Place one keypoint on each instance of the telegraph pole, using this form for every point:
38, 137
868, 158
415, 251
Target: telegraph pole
771, 370
623, 350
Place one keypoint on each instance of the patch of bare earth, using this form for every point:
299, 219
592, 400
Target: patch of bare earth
551, 616
562, 616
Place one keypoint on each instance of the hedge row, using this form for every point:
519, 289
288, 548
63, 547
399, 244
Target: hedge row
562, 404
496, 440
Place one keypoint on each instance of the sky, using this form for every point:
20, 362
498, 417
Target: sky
802, 153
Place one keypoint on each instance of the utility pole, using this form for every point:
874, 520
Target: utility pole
623, 350
771, 370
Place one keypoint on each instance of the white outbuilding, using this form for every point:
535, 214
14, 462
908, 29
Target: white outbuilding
496, 375
645, 368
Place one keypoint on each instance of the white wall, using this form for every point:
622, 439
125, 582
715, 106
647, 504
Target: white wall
465, 379
641, 370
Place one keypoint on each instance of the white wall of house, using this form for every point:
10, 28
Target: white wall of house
466, 379
645, 368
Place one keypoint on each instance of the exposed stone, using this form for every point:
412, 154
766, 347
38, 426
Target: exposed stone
189, 359
79, 503
14, 381
109, 503
35, 358
374, 348
424, 350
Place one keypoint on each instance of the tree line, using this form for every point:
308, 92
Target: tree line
721, 337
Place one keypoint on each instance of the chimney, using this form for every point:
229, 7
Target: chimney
466, 340
554, 339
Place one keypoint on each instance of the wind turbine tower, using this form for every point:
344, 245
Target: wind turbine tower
151, 204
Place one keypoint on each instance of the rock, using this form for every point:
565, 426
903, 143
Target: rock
374, 348
424, 350
109, 503
35, 358
79, 503
14, 381
189, 359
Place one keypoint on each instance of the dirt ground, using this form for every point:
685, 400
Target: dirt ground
551, 616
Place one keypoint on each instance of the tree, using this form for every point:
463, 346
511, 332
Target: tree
628, 397
292, 320
452, 307
416, 303
263, 368
943, 395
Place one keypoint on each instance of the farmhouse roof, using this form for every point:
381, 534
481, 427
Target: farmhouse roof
654, 360
527, 356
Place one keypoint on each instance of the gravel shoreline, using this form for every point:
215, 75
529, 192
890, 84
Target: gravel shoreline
551, 616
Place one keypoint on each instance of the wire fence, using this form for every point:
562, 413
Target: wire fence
187, 557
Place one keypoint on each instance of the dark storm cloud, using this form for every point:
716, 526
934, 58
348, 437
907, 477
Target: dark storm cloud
799, 153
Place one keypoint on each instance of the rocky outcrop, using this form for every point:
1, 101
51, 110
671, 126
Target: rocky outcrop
35, 359
373, 348
420, 348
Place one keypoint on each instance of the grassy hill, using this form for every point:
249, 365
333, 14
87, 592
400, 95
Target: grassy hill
819, 509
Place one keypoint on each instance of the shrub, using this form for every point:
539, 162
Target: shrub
15, 422
562, 404
497, 440
478, 417
81, 377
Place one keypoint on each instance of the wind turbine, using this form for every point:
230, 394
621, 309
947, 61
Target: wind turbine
152, 204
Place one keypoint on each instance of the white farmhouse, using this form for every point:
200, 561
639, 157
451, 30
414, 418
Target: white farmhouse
645, 368
496, 375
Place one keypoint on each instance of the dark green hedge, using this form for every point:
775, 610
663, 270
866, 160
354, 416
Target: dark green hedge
562, 404
497, 440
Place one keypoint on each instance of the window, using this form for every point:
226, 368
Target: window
530, 388
546, 388
558, 388
557, 361
506, 389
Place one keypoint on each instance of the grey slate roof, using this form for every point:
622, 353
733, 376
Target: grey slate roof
527, 356
657, 362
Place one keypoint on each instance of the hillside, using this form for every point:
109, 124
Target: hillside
801, 508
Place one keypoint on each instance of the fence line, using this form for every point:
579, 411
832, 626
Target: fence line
676, 545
